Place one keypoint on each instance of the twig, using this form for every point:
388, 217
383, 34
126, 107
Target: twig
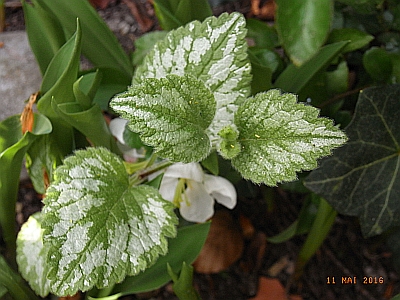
340, 96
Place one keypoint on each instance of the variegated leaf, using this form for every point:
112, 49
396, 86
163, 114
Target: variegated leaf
171, 114
98, 228
280, 137
215, 52
32, 256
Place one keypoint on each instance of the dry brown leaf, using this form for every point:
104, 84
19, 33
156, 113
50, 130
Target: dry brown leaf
265, 10
224, 245
27, 117
272, 289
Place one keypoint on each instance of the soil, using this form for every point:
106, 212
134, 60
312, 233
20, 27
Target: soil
344, 254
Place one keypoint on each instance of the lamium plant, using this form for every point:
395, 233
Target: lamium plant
116, 195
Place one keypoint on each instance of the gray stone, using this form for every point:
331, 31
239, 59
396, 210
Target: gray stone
19, 73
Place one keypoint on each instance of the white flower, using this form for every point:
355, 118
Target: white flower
117, 127
194, 192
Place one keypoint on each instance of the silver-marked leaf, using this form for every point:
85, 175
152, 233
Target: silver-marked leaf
32, 256
215, 52
362, 178
98, 228
171, 114
280, 137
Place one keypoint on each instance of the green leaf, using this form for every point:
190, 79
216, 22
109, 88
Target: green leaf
294, 78
185, 247
175, 13
99, 44
13, 146
144, 44
31, 255
98, 228
89, 122
303, 26
262, 34
362, 178
13, 282
378, 64
171, 114
214, 52
45, 33
280, 137
183, 283
357, 38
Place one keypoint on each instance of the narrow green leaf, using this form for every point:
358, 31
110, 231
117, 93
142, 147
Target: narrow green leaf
171, 114
98, 228
99, 45
294, 79
185, 247
13, 146
303, 26
214, 52
45, 33
183, 283
13, 282
175, 13
89, 122
362, 178
32, 256
144, 44
280, 137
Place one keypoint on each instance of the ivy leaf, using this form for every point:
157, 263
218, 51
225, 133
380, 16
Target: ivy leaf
362, 178
172, 115
280, 137
31, 255
98, 228
215, 52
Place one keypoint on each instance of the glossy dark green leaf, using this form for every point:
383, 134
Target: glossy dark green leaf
45, 33
293, 79
363, 6
378, 64
175, 13
185, 247
357, 38
303, 26
261, 69
362, 177
13, 146
262, 34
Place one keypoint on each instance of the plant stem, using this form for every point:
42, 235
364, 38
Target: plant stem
13, 282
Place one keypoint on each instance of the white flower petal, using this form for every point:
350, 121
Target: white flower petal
221, 189
201, 206
192, 171
167, 187
117, 127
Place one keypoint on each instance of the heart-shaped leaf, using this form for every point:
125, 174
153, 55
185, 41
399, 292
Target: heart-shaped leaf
98, 228
280, 137
362, 178
215, 52
31, 255
171, 114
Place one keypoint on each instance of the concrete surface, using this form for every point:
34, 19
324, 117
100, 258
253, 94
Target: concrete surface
19, 73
